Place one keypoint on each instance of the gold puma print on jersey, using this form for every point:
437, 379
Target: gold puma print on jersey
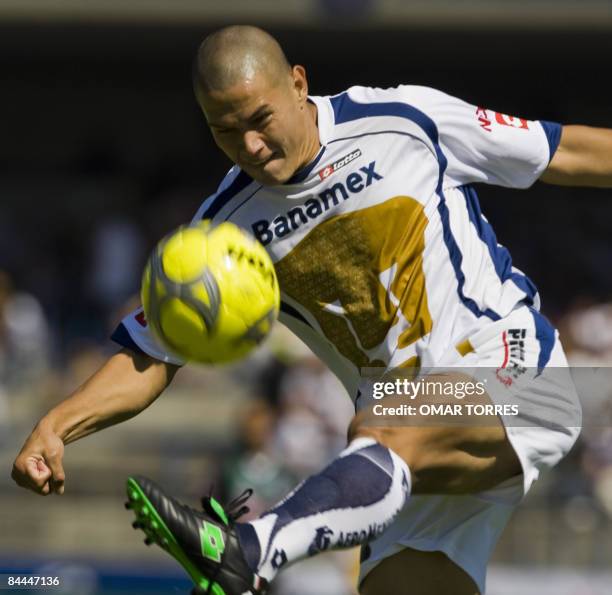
360, 275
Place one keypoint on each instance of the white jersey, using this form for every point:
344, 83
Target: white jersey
382, 253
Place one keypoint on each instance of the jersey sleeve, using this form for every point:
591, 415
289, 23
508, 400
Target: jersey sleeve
134, 333
482, 145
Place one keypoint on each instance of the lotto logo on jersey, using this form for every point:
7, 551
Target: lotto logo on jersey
328, 170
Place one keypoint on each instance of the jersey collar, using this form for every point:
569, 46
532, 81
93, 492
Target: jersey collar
325, 123
325, 118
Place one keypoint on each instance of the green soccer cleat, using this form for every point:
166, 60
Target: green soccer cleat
203, 542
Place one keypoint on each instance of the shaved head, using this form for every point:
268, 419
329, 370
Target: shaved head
236, 54
256, 104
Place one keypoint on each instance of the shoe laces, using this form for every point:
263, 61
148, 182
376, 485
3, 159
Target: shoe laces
234, 509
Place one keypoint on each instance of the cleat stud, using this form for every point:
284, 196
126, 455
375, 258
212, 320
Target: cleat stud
148, 541
134, 495
136, 525
127, 505
154, 524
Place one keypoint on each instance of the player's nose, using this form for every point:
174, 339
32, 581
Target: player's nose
253, 144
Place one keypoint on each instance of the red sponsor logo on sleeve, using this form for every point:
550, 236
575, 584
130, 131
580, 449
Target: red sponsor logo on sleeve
483, 118
140, 319
511, 121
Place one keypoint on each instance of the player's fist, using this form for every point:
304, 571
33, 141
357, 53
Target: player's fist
38, 467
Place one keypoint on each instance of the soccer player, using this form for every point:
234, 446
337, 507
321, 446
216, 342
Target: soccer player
364, 200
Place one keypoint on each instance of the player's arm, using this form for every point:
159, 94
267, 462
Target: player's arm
583, 158
125, 385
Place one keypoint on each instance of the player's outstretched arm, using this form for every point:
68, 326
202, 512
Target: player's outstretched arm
125, 385
583, 158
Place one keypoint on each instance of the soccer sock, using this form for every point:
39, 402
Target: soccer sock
349, 503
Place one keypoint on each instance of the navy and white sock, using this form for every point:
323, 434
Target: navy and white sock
349, 503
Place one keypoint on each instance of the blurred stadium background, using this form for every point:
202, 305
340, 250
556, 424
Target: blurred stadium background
104, 150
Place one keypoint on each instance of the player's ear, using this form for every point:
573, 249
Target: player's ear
300, 83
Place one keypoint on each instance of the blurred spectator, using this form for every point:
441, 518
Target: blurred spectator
588, 327
24, 336
315, 411
256, 465
116, 268
587, 330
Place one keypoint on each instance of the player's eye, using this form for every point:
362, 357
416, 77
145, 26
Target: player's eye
262, 121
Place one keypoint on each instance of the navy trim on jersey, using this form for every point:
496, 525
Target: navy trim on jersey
400, 132
499, 255
122, 336
240, 182
545, 334
293, 313
346, 110
552, 130
249, 197
301, 175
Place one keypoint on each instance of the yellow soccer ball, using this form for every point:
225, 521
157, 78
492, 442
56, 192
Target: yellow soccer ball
210, 292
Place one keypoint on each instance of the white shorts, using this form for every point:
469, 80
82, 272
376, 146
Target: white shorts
467, 527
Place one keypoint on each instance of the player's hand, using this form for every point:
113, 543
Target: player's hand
38, 467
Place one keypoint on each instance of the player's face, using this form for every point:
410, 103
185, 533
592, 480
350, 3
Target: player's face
265, 128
